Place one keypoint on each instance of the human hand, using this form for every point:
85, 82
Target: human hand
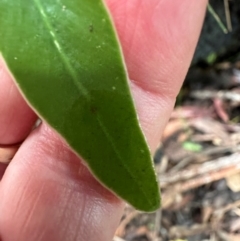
46, 193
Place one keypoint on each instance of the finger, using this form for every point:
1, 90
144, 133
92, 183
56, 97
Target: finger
158, 38
16, 118
48, 194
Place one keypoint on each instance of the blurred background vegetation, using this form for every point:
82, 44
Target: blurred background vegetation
215, 45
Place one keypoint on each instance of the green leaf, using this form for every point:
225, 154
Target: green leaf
192, 146
66, 59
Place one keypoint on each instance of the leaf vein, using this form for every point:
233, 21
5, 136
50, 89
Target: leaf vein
63, 56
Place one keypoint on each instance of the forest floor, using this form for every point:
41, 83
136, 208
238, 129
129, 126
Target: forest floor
198, 164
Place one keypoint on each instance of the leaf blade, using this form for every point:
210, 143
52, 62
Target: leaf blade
78, 84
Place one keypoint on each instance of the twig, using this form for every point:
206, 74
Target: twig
169, 196
158, 219
216, 17
218, 214
183, 231
228, 15
204, 179
121, 228
227, 208
211, 151
224, 167
231, 161
208, 94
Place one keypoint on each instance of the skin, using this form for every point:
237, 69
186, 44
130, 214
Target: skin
46, 192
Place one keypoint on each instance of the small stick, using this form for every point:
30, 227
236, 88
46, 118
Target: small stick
228, 15
204, 179
121, 228
227, 208
158, 219
231, 161
216, 17
224, 95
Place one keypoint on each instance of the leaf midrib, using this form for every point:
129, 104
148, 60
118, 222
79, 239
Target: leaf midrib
60, 51
84, 91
